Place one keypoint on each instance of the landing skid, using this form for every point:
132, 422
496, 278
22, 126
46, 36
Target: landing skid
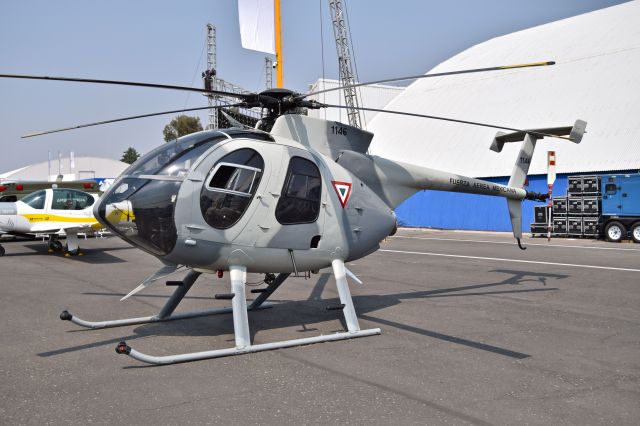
165, 314
240, 318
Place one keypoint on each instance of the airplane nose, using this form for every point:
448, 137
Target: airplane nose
8, 213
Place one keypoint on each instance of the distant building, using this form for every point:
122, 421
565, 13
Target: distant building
595, 79
83, 168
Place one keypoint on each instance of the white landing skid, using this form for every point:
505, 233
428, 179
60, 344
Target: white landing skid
240, 319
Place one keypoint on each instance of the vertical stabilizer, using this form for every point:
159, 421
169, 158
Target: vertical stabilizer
521, 167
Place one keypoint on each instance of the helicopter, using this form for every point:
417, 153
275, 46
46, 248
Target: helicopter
291, 196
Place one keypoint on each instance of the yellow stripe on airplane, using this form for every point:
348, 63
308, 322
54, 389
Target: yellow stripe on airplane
40, 217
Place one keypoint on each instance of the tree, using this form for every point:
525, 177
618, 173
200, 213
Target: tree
130, 156
180, 126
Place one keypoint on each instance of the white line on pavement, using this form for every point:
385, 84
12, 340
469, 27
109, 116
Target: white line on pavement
510, 242
512, 260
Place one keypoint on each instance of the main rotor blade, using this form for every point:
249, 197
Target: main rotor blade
115, 120
439, 74
243, 96
453, 120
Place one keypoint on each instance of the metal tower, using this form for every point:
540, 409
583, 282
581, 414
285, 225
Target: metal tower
213, 81
268, 72
347, 76
212, 70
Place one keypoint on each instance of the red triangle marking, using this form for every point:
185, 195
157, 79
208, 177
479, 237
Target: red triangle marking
343, 190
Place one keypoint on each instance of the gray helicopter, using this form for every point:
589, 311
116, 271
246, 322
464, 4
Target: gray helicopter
288, 198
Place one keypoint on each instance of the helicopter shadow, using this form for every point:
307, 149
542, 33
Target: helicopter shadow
313, 311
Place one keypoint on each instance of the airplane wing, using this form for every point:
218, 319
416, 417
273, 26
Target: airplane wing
58, 227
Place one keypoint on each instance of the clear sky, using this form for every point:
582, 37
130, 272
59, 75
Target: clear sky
162, 41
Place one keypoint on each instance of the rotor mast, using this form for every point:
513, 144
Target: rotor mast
347, 76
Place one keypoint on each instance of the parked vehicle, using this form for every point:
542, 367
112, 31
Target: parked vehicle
620, 216
605, 206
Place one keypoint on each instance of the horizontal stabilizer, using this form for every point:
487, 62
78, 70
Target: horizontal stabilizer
575, 132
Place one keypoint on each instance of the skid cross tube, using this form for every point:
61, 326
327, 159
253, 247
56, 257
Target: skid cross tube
241, 324
165, 314
268, 291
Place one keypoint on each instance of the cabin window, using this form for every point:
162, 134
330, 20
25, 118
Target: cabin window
35, 200
300, 198
230, 187
68, 199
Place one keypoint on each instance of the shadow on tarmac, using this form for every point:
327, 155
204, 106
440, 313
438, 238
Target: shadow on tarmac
290, 313
92, 256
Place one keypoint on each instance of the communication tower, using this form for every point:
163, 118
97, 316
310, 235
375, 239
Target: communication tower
347, 76
211, 74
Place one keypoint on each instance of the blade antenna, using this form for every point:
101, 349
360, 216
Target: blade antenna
116, 120
440, 74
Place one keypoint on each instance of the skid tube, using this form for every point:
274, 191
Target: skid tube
123, 348
241, 324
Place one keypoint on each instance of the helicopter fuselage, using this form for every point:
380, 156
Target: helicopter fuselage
219, 198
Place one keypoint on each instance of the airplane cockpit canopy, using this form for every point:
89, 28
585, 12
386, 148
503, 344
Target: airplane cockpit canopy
35, 200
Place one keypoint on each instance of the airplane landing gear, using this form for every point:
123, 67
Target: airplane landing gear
75, 252
54, 244
1, 251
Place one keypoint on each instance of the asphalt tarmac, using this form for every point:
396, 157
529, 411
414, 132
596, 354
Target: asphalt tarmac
474, 331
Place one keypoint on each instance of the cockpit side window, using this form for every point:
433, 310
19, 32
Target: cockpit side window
230, 187
69, 199
300, 198
35, 200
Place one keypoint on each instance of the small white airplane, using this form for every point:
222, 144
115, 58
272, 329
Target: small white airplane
55, 212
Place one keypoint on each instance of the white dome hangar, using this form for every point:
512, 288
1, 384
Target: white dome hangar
595, 78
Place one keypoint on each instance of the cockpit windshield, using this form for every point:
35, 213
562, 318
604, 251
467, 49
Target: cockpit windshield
176, 157
140, 208
36, 199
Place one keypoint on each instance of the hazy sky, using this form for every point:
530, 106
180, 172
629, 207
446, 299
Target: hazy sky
163, 41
